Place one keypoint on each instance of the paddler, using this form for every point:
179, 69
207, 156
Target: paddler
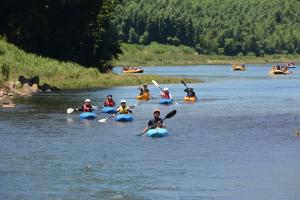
86, 107
190, 92
143, 89
156, 122
109, 102
123, 109
165, 94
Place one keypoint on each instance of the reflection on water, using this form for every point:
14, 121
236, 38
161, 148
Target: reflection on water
238, 142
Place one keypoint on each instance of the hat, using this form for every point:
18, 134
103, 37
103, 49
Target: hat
156, 110
87, 101
109, 95
166, 89
123, 101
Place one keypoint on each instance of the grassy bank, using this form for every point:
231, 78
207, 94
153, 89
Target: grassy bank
158, 54
65, 75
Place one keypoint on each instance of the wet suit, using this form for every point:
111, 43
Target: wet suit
190, 92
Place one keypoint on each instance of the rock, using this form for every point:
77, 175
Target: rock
11, 105
26, 90
1, 93
10, 94
5, 100
18, 85
10, 85
34, 88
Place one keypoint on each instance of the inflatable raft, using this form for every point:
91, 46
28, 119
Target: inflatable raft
166, 101
87, 115
157, 132
124, 117
109, 110
145, 96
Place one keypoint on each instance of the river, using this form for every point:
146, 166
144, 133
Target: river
237, 143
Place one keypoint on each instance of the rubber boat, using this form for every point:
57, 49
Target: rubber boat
133, 70
157, 132
87, 115
279, 71
109, 110
237, 67
166, 101
145, 96
190, 99
124, 117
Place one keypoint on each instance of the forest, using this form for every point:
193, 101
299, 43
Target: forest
214, 27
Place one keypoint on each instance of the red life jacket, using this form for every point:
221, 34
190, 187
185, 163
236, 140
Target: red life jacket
86, 108
109, 103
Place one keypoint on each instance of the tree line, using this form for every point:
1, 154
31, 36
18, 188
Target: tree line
74, 30
224, 27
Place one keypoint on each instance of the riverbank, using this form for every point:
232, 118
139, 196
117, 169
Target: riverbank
64, 75
162, 55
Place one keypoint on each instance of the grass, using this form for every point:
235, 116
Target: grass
159, 54
65, 75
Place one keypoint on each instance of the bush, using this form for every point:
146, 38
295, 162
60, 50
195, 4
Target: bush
5, 71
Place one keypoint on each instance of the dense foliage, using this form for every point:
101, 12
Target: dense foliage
229, 27
77, 30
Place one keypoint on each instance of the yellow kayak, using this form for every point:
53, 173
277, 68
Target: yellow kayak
145, 96
189, 98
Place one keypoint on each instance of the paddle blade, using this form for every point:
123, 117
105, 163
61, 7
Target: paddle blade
171, 114
102, 120
155, 83
183, 83
70, 110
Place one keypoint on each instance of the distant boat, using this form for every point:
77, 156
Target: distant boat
127, 69
279, 70
290, 65
238, 67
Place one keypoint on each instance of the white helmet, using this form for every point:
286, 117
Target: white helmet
87, 101
166, 89
123, 101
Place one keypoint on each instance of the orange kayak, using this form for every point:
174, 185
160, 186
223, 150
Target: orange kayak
189, 99
145, 96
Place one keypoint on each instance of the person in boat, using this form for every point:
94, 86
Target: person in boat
109, 102
165, 94
124, 109
190, 92
156, 122
86, 107
278, 67
143, 89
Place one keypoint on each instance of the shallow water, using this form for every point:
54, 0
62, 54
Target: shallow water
238, 142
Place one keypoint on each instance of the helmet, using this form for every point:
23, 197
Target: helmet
109, 95
87, 101
166, 89
156, 110
123, 101
145, 84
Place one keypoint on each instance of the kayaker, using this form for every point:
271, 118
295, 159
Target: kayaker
143, 89
165, 94
156, 122
86, 107
109, 102
123, 109
190, 92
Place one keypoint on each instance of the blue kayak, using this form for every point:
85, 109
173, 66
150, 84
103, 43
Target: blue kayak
87, 115
109, 110
124, 118
166, 101
157, 132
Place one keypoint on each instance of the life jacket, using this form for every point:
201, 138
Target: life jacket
86, 108
165, 96
109, 103
122, 110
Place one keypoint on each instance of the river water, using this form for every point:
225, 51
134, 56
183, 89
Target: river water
237, 143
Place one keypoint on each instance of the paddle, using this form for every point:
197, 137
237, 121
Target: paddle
156, 84
71, 110
141, 84
187, 88
105, 119
169, 115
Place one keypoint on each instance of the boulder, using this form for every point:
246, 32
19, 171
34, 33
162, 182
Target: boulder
34, 88
5, 100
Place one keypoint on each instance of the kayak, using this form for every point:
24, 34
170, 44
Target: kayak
166, 101
157, 132
109, 110
186, 98
145, 96
124, 118
132, 70
87, 115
